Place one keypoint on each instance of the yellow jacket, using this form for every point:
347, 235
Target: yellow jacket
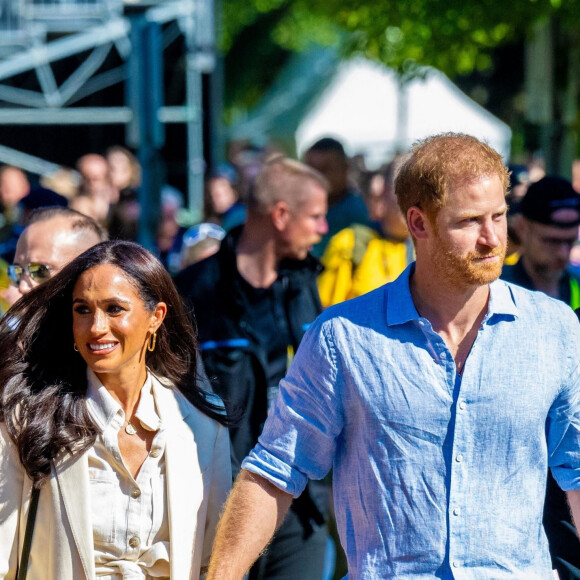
356, 261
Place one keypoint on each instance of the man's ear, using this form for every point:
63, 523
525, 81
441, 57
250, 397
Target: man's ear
280, 214
418, 223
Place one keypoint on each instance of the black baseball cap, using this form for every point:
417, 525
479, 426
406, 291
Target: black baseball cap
545, 199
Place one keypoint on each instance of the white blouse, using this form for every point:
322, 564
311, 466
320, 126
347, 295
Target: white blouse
129, 516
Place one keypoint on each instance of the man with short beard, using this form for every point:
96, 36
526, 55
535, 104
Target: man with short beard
440, 400
548, 228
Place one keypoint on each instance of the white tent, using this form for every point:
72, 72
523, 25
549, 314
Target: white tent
365, 108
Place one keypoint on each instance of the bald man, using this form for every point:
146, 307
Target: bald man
53, 238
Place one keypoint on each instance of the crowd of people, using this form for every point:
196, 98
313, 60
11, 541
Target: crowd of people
384, 360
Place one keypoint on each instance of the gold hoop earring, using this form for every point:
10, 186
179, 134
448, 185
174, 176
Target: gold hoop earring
152, 342
75, 347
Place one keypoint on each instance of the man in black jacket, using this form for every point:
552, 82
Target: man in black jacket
252, 302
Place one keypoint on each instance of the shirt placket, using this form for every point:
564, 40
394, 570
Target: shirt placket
461, 458
458, 387
139, 515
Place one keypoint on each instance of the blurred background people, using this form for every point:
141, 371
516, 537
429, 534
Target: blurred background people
345, 203
64, 181
361, 258
221, 203
96, 192
124, 171
14, 186
170, 231
125, 175
519, 181
95, 177
372, 187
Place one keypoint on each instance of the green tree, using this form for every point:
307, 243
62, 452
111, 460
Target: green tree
454, 36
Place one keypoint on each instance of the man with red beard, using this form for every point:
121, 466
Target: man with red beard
440, 400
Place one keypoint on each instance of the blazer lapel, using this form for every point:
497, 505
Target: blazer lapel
184, 480
72, 474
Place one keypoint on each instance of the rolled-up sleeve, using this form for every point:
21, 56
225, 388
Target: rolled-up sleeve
299, 438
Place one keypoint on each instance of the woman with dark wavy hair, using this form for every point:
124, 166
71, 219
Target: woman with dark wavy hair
100, 410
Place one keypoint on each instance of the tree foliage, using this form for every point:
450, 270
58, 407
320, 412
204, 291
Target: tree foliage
453, 35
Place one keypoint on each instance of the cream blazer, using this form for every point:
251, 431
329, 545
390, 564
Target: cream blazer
198, 480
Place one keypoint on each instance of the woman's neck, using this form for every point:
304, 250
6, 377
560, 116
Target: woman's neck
125, 387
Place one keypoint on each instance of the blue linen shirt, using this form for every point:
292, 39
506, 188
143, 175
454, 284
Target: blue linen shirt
436, 475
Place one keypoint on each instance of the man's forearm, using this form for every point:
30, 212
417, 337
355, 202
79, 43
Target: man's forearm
574, 501
253, 512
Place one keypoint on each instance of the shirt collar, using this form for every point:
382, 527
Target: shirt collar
400, 306
401, 309
501, 300
104, 408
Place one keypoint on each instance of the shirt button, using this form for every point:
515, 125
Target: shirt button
135, 493
134, 542
455, 564
462, 406
443, 355
459, 458
456, 511
155, 452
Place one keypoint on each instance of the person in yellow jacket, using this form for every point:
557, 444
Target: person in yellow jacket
359, 258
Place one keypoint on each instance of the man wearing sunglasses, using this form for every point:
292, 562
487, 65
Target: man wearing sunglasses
53, 238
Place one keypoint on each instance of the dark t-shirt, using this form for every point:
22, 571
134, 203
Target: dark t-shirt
270, 323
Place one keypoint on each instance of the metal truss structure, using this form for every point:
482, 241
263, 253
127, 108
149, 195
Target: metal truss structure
36, 34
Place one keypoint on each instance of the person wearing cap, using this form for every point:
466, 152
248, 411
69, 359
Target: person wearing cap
221, 200
548, 228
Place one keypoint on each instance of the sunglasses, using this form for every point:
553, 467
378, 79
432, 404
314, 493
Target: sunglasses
34, 270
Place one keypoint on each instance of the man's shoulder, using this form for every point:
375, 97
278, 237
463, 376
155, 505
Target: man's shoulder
197, 278
538, 307
368, 309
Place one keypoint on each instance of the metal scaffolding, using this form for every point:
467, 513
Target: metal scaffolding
35, 34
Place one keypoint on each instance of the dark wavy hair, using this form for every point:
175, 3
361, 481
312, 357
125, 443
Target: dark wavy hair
43, 382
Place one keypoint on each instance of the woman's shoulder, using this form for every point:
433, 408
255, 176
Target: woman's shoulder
173, 400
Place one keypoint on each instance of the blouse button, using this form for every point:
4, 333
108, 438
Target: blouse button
135, 493
134, 542
155, 452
